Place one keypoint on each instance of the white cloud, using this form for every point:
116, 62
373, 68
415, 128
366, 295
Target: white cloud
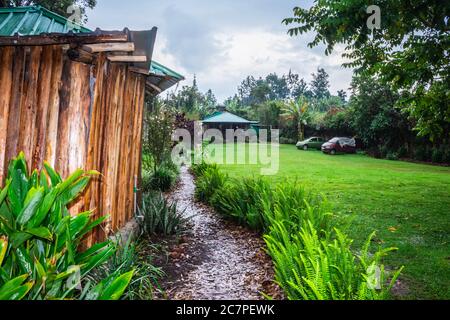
222, 42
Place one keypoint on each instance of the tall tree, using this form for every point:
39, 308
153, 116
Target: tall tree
342, 95
279, 88
409, 50
320, 84
62, 7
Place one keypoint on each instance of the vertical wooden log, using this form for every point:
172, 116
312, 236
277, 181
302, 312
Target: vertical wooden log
43, 98
138, 137
6, 79
53, 107
94, 155
13, 130
62, 143
29, 104
129, 205
115, 187
124, 173
108, 142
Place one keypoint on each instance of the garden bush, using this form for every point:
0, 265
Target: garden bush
392, 156
159, 216
40, 252
162, 179
210, 181
284, 140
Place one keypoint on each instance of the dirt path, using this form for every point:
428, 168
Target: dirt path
218, 260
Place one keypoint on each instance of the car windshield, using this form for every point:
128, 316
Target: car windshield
334, 140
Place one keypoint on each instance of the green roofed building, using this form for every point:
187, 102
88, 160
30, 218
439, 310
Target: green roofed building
223, 120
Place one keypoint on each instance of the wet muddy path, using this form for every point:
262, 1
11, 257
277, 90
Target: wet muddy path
217, 260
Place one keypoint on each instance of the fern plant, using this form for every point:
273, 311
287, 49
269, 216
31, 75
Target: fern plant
309, 267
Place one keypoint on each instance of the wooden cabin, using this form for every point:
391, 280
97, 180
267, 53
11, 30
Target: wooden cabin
74, 97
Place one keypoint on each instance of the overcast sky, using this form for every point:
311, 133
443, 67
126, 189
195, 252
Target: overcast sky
222, 41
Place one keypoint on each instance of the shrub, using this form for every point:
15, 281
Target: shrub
437, 155
244, 200
210, 182
40, 255
392, 156
199, 169
162, 179
158, 216
284, 140
421, 153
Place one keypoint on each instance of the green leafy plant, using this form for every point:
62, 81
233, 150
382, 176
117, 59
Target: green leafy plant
158, 216
125, 259
311, 267
210, 181
40, 240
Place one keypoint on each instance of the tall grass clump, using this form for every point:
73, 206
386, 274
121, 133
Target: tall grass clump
208, 183
41, 256
313, 260
159, 216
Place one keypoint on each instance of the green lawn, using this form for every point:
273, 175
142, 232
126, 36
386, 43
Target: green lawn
407, 204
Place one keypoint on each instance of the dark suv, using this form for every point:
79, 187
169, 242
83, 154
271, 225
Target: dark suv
339, 145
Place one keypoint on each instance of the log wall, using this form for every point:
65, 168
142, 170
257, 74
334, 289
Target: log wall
74, 115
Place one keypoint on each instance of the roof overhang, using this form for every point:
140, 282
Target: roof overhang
134, 48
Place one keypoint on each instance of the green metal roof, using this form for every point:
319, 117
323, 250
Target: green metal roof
34, 20
226, 117
159, 69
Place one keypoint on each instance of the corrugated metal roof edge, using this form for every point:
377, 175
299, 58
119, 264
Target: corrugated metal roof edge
47, 12
169, 71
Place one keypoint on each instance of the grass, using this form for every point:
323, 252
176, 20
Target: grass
407, 204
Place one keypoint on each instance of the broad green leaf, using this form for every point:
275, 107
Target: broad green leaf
24, 260
79, 222
19, 238
17, 191
63, 186
92, 225
14, 289
40, 270
3, 248
44, 209
4, 192
54, 176
33, 182
32, 203
43, 181
74, 190
80, 258
116, 289
6, 217
41, 232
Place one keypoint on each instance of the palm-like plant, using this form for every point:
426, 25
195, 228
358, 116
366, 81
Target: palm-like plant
40, 252
297, 111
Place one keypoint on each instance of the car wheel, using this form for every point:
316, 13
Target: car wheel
333, 152
305, 147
